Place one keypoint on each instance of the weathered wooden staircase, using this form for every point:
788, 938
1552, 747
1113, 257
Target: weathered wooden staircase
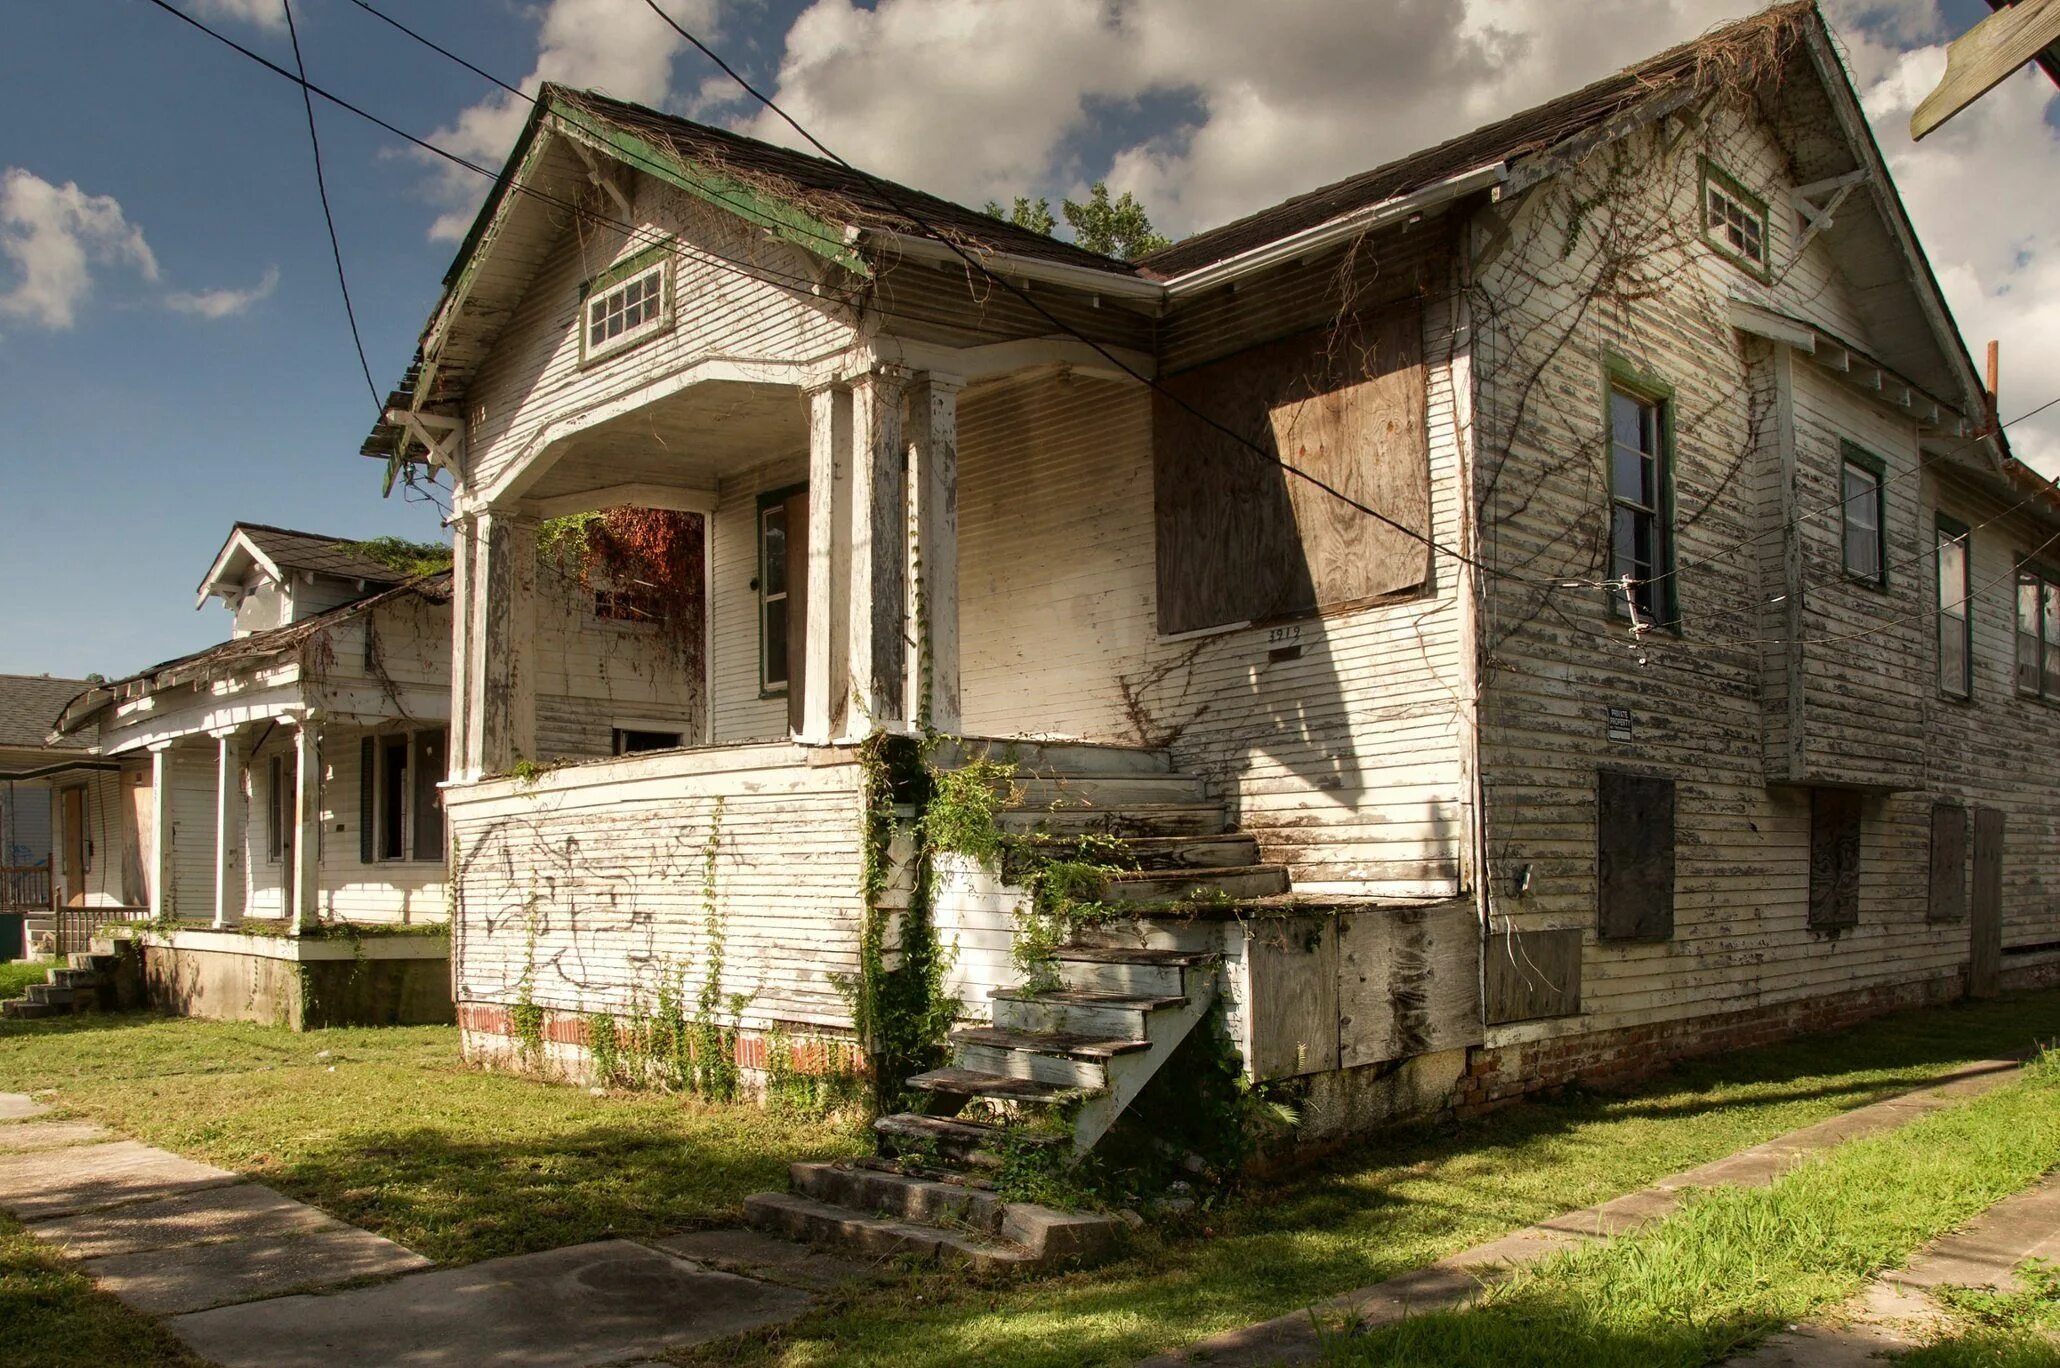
84, 984
1061, 1059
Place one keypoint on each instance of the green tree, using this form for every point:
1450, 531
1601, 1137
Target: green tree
1116, 227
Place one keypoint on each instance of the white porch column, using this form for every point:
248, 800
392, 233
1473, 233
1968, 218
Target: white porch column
933, 664
501, 685
878, 541
307, 825
464, 749
230, 813
161, 866
826, 686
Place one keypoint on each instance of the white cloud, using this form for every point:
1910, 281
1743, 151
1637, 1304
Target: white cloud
617, 47
268, 14
55, 235
222, 303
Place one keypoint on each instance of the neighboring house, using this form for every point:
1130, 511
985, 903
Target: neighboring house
1668, 686
37, 777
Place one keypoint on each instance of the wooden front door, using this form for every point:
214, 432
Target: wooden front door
74, 819
1985, 919
796, 507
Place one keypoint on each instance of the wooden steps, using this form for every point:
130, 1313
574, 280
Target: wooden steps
84, 984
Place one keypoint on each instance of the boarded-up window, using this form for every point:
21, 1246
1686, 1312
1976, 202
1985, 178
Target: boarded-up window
1948, 862
1834, 859
1242, 540
1532, 974
1634, 856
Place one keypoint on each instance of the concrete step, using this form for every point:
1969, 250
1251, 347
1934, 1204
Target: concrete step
1053, 757
804, 1218
972, 1143
999, 1087
1115, 1016
99, 964
1222, 885
1127, 970
78, 978
50, 995
1131, 820
22, 1009
898, 1196
1074, 1061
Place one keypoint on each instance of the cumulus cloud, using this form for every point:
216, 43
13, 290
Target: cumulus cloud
55, 235
269, 14
615, 46
223, 303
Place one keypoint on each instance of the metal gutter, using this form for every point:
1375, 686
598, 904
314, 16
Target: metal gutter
1086, 278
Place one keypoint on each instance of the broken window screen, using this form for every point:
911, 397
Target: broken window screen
1639, 538
1239, 539
426, 807
1865, 557
772, 595
1955, 620
1634, 856
618, 314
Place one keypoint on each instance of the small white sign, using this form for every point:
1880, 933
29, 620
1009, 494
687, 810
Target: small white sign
1620, 724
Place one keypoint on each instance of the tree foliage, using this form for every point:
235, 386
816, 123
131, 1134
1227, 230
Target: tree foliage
1115, 226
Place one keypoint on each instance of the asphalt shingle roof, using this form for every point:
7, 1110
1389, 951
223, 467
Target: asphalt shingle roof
29, 705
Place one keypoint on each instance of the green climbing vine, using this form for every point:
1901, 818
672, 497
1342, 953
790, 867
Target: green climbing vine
711, 1048
526, 1016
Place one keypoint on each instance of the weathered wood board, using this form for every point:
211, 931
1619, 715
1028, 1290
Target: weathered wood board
1409, 982
1985, 926
1948, 900
1532, 974
1834, 859
1293, 968
1634, 856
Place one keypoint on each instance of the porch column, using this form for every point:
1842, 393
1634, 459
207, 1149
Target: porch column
932, 669
307, 825
878, 540
161, 866
826, 662
230, 812
464, 750
501, 684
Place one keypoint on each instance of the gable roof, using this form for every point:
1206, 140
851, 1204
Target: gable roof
240, 653
282, 551
29, 705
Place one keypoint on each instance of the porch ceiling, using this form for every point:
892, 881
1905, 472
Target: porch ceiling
689, 440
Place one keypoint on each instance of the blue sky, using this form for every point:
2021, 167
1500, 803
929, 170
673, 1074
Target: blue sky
192, 365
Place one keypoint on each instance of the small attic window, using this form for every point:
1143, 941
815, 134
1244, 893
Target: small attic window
1734, 220
626, 304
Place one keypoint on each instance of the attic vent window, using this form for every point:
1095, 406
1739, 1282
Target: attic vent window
1734, 219
626, 305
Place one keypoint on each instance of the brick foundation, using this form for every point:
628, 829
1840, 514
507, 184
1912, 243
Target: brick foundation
489, 1038
1498, 1075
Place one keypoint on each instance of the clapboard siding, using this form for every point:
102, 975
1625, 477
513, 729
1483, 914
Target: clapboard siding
589, 884
741, 714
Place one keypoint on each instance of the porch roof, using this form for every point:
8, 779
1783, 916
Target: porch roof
237, 655
29, 705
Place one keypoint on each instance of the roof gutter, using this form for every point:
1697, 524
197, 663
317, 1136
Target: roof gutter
1339, 229
1085, 278
62, 767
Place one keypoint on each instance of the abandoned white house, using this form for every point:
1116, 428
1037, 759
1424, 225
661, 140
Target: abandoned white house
1662, 615
36, 775
293, 770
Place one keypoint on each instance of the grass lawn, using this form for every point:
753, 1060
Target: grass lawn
2014, 1329
50, 1316
17, 975
1735, 1264
1396, 1203
388, 1130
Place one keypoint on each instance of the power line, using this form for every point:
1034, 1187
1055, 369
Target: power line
329, 218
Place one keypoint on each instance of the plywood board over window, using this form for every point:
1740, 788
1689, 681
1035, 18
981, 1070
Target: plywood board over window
1242, 540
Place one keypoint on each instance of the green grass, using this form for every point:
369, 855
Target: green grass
51, 1316
17, 975
2014, 1328
1399, 1201
388, 1130
1735, 1264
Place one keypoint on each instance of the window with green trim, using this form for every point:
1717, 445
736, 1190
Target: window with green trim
1734, 219
626, 304
1861, 503
1955, 610
1641, 533
2038, 631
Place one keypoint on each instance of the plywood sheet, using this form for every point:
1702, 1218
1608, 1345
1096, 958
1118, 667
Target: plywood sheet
1533, 974
1409, 982
1948, 900
1293, 968
1985, 926
1634, 856
1834, 859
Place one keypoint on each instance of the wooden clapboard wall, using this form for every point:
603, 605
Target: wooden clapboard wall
1240, 538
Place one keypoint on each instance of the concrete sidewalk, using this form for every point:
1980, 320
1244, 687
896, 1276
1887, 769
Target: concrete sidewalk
1297, 1338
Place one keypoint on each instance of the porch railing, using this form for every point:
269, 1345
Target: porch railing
75, 925
27, 888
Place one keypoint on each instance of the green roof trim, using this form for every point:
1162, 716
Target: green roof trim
778, 217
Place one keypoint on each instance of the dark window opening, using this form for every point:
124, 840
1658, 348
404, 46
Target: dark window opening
275, 805
772, 597
1634, 856
629, 740
1948, 901
1834, 859
393, 797
430, 770
1641, 551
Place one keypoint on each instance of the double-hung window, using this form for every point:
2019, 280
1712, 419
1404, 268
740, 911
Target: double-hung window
773, 596
1641, 536
400, 807
2038, 631
1734, 220
1860, 496
1955, 612
626, 304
